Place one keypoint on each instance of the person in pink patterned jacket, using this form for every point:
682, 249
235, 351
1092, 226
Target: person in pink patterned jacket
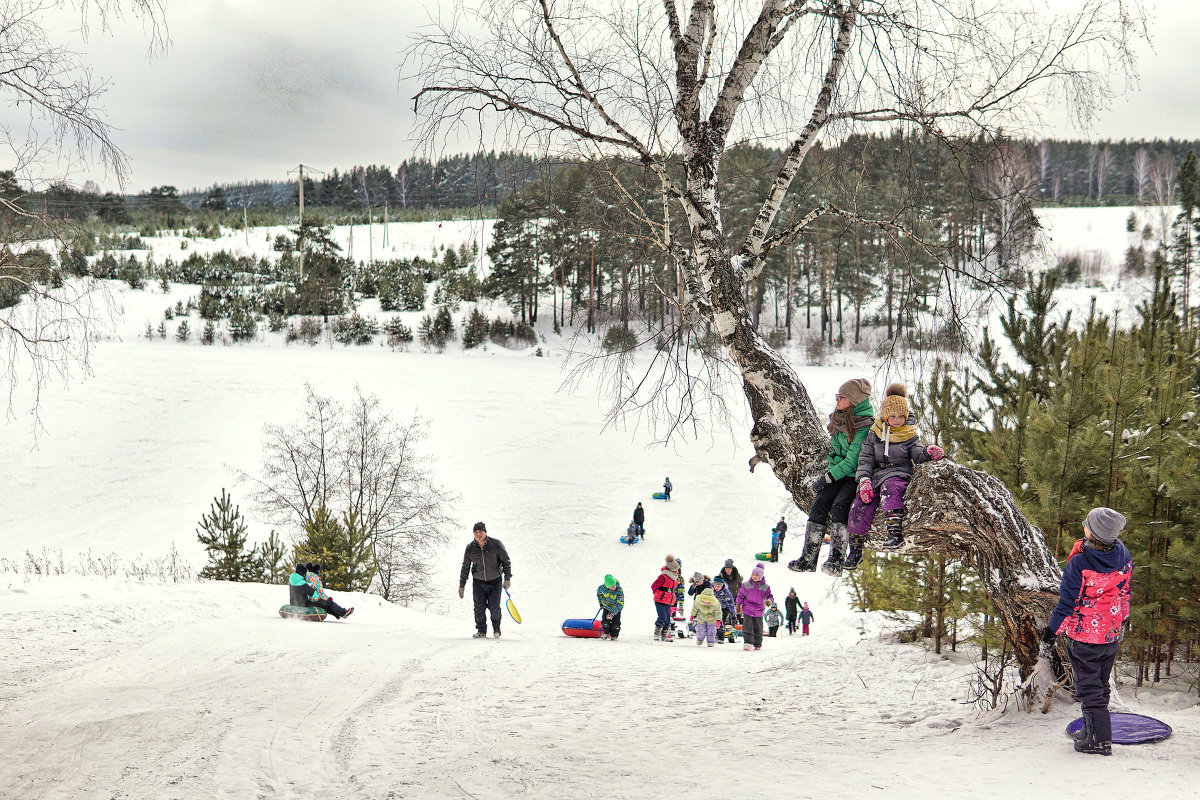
1093, 604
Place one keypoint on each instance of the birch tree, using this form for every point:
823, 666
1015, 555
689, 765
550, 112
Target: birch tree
53, 122
673, 84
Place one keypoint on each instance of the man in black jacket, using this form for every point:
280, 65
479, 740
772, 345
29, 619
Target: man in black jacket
488, 560
639, 520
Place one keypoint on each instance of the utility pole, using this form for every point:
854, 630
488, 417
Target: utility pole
300, 244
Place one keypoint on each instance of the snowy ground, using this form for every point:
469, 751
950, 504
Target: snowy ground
118, 689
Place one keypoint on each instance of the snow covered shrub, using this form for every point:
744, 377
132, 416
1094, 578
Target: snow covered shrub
355, 329
242, 325
308, 330
777, 338
475, 330
815, 350
444, 324
183, 332
428, 334
619, 339
209, 334
499, 331
523, 332
276, 322
397, 332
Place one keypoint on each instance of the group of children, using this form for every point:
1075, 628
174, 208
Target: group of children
720, 605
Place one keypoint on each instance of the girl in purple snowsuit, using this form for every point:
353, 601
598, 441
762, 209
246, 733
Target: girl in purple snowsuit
885, 466
752, 602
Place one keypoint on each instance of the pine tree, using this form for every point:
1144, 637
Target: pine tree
223, 533
341, 547
273, 561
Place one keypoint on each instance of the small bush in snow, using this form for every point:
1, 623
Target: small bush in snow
308, 330
183, 332
475, 330
397, 332
619, 339
355, 329
209, 335
499, 331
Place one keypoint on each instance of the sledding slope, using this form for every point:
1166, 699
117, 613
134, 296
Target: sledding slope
120, 689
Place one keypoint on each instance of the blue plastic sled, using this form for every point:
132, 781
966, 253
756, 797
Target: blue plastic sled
1131, 729
626, 540
659, 496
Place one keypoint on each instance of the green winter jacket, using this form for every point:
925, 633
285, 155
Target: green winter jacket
707, 607
611, 599
843, 456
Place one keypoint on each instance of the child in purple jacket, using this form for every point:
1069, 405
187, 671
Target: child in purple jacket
885, 466
751, 603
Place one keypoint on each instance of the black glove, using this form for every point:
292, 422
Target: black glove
1048, 640
820, 483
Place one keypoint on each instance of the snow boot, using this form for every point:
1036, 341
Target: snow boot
747, 647
349, 611
814, 536
480, 635
895, 528
496, 634
1091, 743
838, 536
657, 633
853, 555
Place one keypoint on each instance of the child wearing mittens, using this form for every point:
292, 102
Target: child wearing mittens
728, 614
889, 454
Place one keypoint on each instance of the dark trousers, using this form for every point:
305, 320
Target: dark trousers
752, 630
487, 598
791, 621
1092, 665
610, 623
832, 504
330, 606
664, 614
771, 631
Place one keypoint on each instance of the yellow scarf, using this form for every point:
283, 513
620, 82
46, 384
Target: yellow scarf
889, 434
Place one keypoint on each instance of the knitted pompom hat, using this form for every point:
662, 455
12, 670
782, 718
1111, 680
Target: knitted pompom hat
895, 403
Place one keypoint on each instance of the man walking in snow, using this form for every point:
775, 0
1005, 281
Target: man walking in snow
488, 560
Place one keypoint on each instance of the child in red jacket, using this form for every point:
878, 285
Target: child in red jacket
1093, 604
664, 598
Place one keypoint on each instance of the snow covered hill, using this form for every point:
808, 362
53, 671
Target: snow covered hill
114, 688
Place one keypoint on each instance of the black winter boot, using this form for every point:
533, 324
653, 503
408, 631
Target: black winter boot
853, 555
838, 537
1089, 743
814, 536
895, 528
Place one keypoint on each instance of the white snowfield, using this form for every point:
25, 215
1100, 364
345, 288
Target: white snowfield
113, 688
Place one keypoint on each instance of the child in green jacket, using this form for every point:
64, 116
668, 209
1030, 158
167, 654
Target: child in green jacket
835, 489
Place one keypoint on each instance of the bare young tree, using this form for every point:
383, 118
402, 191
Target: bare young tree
1141, 173
53, 122
672, 84
1162, 194
364, 465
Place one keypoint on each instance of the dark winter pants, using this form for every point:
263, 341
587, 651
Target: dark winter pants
832, 504
889, 498
487, 598
610, 623
752, 630
1092, 664
771, 631
791, 620
728, 620
664, 615
330, 606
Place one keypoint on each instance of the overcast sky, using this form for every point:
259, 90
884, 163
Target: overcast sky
251, 88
